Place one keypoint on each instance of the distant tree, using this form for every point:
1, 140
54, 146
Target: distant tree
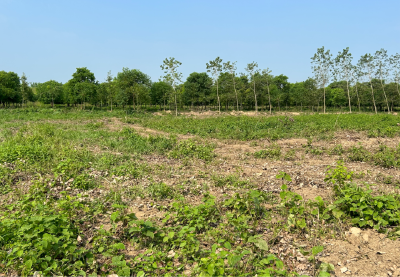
10, 87
81, 88
267, 80
172, 76
134, 82
50, 92
356, 75
231, 68
26, 90
394, 61
160, 92
197, 89
366, 64
215, 68
381, 60
111, 89
283, 89
343, 70
322, 66
251, 68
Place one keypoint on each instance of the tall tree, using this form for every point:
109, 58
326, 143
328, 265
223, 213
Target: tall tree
133, 82
81, 87
172, 76
381, 60
50, 92
322, 67
251, 68
26, 90
343, 70
159, 92
356, 75
215, 68
267, 77
395, 65
197, 88
366, 64
111, 89
10, 87
231, 68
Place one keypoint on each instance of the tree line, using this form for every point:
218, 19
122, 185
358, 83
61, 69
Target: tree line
371, 84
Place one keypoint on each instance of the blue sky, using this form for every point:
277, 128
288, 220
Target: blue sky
49, 39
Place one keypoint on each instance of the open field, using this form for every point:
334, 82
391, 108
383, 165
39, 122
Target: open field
88, 192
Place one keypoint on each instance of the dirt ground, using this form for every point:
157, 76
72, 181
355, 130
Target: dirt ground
357, 252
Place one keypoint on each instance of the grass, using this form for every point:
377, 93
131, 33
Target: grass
75, 193
277, 127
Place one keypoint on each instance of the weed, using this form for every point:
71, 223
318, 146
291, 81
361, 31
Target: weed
273, 152
189, 148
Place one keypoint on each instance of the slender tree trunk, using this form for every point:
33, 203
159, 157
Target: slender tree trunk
348, 95
219, 103
269, 100
176, 106
358, 99
384, 93
255, 95
372, 92
234, 87
324, 100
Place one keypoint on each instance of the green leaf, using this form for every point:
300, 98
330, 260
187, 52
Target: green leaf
227, 245
262, 244
28, 264
317, 249
114, 216
140, 274
210, 269
119, 246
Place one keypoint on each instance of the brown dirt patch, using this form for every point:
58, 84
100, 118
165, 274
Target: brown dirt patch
363, 253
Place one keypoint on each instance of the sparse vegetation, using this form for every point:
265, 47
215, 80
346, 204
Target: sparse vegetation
99, 196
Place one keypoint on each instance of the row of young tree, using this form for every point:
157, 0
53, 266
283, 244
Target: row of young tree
370, 84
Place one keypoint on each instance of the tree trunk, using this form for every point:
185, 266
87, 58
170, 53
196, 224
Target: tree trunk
324, 100
234, 87
384, 93
269, 100
255, 95
348, 95
219, 103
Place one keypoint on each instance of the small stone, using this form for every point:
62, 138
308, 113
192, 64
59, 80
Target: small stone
112, 275
365, 237
171, 254
355, 231
339, 263
79, 239
343, 269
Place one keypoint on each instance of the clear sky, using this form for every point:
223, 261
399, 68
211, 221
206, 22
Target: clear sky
49, 39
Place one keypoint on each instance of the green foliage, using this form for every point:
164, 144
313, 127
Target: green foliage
272, 152
192, 149
160, 191
358, 154
201, 217
231, 180
275, 127
248, 204
367, 210
37, 237
339, 174
139, 144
